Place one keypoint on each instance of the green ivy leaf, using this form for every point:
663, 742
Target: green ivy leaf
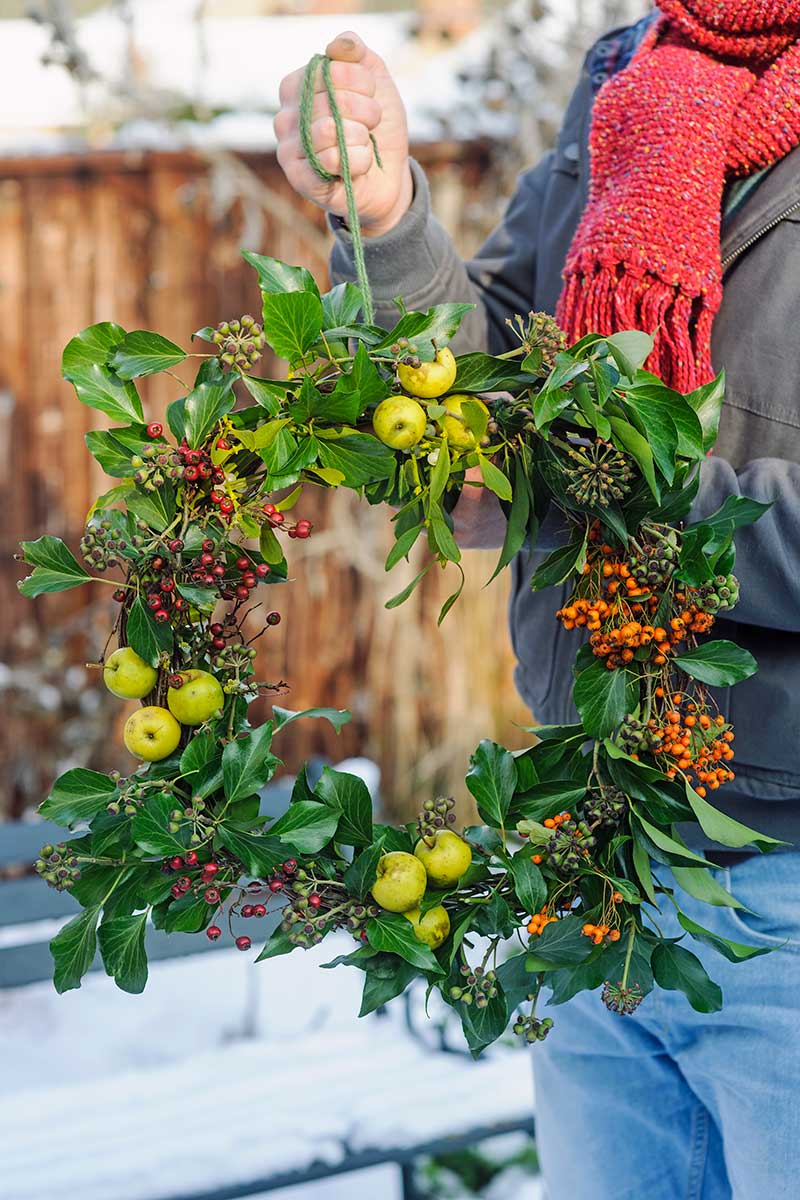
707, 403
306, 826
559, 565
630, 349
144, 353
147, 636
348, 795
393, 934
114, 449
560, 943
385, 977
439, 324
247, 763
78, 795
156, 508
678, 970
292, 323
359, 388
733, 951
719, 827
482, 1026
719, 664
701, 884
529, 882
260, 853
603, 697
276, 944
123, 953
55, 568
99, 387
544, 800
91, 347
277, 276
492, 779
150, 827
478, 373
73, 950
667, 849
361, 458
341, 305
363, 871
204, 406
338, 717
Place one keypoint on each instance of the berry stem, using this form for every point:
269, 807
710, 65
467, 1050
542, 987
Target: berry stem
629, 952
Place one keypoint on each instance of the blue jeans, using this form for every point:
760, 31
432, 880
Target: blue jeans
672, 1104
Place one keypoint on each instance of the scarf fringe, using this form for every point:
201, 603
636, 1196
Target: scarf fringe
613, 298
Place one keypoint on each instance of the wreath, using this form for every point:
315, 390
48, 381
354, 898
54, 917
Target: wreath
559, 888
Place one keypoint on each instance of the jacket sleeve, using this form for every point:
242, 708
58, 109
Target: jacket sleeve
768, 552
418, 261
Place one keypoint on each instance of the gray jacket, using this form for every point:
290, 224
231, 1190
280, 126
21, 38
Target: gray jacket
756, 338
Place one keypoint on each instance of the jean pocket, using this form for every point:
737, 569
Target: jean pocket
769, 887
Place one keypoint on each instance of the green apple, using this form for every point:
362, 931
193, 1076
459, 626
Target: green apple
429, 379
399, 422
453, 426
198, 698
400, 882
433, 928
129, 676
446, 860
152, 733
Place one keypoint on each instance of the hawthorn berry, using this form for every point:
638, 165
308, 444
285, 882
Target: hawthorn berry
176, 863
242, 592
191, 858
119, 595
315, 900
242, 564
243, 943
273, 618
290, 866
176, 890
161, 615
247, 911
213, 932
275, 885
208, 545
176, 545
184, 883
259, 910
211, 895
210, 870
262, 570
175, 681
155, 429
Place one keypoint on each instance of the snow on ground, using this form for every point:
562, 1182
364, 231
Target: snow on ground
223, 1071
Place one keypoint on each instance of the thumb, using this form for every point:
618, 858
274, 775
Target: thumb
347, 47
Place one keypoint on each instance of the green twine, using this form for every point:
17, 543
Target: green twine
354, 224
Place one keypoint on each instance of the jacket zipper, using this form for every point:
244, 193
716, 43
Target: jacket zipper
731, 258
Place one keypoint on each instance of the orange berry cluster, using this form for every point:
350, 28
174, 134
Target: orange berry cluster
538, 921
600, 933
552, 823
696, 743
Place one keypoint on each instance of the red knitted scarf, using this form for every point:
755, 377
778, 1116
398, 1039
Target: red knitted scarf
712, 92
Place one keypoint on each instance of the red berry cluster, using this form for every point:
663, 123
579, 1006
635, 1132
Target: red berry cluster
210, 571
302, 529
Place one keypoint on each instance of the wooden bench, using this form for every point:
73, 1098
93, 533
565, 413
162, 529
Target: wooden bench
372, 1087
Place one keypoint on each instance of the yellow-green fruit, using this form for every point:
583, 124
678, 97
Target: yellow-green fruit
199, 698
429, 379
152, 733
455, 430
400, 882
433, 928
399, 422
129, 676
446, 860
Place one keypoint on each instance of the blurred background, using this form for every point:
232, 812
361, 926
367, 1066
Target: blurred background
136, 159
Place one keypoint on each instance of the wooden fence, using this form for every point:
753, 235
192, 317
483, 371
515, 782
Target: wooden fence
151, 240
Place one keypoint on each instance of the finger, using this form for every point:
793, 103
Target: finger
348, 77
348, 47
290, 86
324, 135
361, 157
285, 123
355, 106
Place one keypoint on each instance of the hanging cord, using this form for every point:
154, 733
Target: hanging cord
354, 224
